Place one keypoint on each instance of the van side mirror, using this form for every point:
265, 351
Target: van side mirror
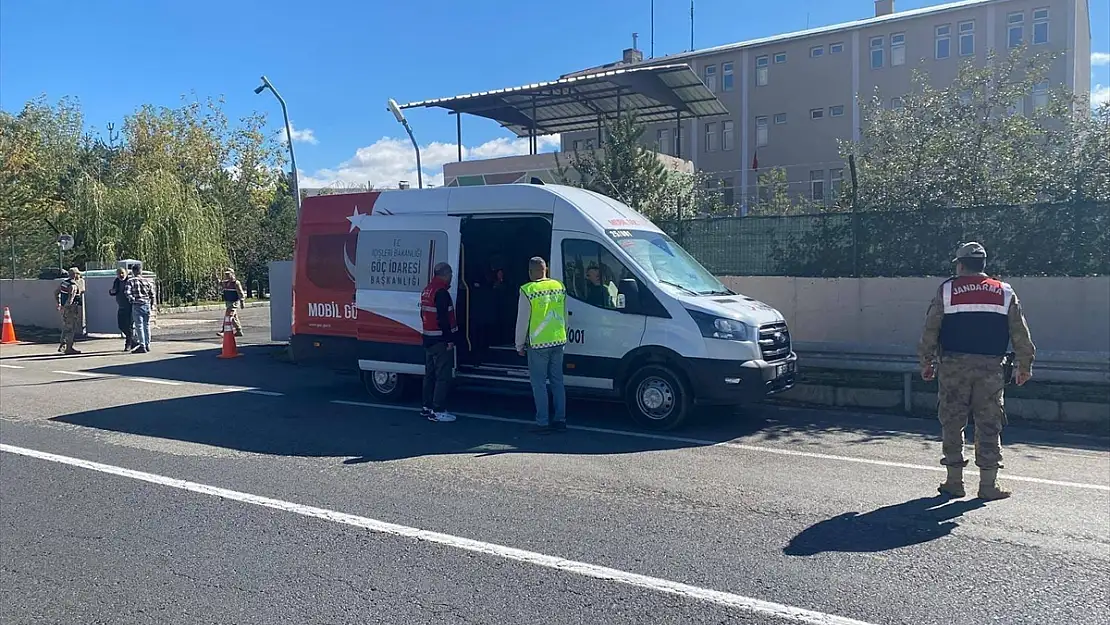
628, 295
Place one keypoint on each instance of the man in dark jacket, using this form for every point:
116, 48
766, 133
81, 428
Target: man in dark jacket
437, 319
123, 314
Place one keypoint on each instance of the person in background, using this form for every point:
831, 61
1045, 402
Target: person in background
971, 321
541, 328
233, 294
437, 318
69, 295
140, 292
123, 314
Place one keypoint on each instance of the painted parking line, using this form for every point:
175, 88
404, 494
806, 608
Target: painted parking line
12, 367
154, 381
741, 446
253, 391
81, 374
740, 603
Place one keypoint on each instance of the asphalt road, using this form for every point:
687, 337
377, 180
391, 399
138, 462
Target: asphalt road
336, 511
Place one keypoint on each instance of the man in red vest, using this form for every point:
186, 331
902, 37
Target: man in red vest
437, 320
971, 322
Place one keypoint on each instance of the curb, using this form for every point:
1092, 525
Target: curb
207, 308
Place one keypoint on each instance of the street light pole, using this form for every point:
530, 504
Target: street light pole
392, 107
288, 137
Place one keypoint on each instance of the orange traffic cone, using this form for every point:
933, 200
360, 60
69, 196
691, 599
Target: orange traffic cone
230, 349
9, 329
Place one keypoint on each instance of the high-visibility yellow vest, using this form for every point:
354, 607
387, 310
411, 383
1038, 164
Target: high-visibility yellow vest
547, 326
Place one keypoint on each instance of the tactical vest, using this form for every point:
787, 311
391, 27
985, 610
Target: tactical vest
231, 292
429, 322
68, 291
976, 316
546, 325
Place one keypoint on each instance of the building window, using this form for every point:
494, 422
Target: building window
780, 118
761, 70
663, 142
1040, 26
836, 181
816, 51
876, 52
896, 104
711, 77
897, 49
1017, 108
817, 185
1040, 95
836, 48
760, 131
780, 58
836, 111
726, 76
816, 113
943, 41
1015, 29
728, 198
589, 144
967, 38
728, 135
711, 137
577, 145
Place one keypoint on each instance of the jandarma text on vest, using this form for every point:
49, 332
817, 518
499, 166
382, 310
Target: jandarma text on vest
977, 286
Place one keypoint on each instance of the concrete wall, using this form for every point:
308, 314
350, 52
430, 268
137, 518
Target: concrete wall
1064, 314
31, 302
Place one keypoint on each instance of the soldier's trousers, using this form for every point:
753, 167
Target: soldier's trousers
71, 325
971, 385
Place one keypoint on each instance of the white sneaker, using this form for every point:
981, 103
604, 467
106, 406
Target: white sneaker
441, 417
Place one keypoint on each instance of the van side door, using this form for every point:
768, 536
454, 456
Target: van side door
395, 258
599, 333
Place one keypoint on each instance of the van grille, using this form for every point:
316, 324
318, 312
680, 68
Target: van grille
774, 341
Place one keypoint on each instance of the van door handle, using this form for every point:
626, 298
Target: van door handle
570, 313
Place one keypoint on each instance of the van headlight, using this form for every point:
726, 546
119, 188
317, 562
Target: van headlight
713, 327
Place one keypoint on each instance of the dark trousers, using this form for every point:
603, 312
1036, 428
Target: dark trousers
438, 373
125, 322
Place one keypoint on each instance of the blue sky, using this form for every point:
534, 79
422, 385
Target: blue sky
336, 62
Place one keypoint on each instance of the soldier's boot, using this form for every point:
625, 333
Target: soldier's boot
988, 486
954, 485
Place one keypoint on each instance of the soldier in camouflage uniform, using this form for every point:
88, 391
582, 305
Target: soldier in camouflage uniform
971, 322
69, 296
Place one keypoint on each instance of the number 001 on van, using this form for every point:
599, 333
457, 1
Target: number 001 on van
646, 322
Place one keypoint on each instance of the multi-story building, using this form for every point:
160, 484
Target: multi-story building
792, 97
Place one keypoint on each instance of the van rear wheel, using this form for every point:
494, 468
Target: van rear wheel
658, 398
384, 385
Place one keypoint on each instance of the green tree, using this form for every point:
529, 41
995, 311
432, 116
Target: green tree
625, 170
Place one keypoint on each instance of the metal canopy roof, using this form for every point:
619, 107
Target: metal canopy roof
653, 94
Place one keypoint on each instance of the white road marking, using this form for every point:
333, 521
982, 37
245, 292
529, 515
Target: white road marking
80, 374
253, 391
12, 367
743, 447
153, 381
686, 591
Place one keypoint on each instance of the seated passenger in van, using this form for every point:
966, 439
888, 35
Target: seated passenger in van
596, 292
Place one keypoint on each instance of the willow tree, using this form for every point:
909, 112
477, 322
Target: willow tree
158, 219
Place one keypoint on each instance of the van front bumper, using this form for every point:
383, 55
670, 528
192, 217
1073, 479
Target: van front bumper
736, 382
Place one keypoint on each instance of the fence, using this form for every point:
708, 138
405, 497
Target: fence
1039, 240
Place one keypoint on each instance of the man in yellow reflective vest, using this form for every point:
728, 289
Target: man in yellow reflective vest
541, 328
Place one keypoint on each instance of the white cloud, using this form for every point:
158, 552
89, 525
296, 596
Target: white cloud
1100, 58
299, 136
391, 159
1100, 95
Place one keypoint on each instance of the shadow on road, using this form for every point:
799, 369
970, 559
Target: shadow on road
891, 527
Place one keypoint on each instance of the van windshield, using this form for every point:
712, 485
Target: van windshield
667, 263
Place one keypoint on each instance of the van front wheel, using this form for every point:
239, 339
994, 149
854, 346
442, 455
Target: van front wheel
384, 385
658, 398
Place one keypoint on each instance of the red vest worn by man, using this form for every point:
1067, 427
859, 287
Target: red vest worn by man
976, 310
429, 318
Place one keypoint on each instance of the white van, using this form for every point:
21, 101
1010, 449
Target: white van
646, 322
